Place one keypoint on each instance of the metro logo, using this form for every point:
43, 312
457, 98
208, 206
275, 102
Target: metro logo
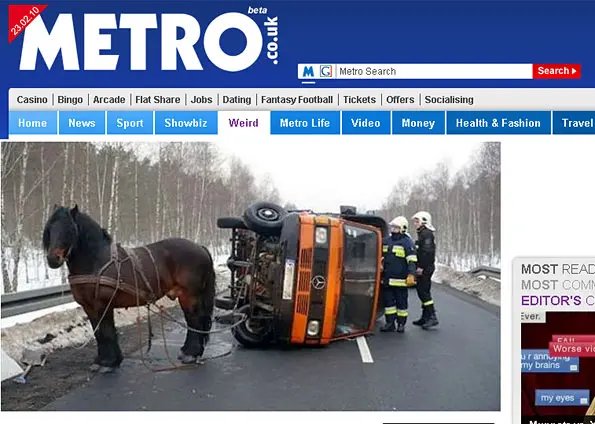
61, 39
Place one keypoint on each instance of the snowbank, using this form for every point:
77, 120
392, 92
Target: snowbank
486, 289
68, 328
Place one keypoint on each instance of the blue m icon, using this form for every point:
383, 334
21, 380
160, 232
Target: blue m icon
308, 71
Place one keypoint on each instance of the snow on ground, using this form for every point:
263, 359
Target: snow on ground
70, 327
464, 264
487, 289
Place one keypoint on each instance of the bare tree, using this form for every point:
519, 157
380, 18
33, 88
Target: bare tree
19, 236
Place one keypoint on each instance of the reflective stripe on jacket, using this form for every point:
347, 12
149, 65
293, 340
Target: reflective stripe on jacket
400, 258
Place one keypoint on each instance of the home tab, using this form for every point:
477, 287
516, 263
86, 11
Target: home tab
33, 122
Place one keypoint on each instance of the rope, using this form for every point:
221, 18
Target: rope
163, 315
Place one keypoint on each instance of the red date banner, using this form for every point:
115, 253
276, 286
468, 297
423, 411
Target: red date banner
20, 16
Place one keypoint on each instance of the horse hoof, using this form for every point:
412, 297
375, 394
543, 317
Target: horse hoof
188, 359
94, 367
106, 370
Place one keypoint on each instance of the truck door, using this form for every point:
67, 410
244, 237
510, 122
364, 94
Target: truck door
359, 284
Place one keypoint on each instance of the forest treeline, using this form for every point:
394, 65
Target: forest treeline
143, 192
139, 192
465, 207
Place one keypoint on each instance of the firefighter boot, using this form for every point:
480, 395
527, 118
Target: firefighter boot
431, 320
390, 324
401, 321
421, 321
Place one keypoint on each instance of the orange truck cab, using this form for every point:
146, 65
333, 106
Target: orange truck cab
298, 277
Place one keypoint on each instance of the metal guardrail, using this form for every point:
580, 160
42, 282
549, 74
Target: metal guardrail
34, 300
486, 271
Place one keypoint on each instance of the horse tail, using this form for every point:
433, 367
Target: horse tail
206, 299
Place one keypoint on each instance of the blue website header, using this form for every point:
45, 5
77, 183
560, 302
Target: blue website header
246, 44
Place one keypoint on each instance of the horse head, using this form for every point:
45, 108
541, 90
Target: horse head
60, 235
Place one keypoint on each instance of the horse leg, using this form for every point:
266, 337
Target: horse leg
197, 318
108, 334
94, 320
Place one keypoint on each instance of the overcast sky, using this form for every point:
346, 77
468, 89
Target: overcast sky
322, 173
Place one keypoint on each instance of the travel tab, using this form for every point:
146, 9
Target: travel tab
575, 123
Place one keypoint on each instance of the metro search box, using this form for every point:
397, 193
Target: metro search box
438, 71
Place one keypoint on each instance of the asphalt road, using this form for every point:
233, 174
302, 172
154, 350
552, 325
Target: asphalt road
456, 367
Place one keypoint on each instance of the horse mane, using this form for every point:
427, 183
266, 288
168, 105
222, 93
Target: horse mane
90, 232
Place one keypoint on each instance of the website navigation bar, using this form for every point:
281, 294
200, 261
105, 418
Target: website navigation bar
184, 122
313, 98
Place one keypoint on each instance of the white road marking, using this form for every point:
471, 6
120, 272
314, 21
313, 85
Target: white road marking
364, 350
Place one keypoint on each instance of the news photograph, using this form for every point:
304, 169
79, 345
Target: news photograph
228, 276
558, 368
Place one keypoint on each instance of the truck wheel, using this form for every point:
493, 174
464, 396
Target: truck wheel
265, 218
231, 222
252, 334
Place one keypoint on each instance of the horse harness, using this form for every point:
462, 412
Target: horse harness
146, 293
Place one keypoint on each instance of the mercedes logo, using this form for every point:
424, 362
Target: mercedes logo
318, 282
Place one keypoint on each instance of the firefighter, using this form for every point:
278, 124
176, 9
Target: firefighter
426, 258
398, 273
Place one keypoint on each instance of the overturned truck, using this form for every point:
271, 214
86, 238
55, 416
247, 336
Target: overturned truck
299, 277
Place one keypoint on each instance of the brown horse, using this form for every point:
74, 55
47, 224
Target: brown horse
104, 275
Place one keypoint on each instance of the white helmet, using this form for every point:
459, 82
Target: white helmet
425, 218
401, 222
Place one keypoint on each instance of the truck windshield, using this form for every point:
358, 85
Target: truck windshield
360, 256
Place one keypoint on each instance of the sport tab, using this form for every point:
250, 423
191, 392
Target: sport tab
557, 71
20, 17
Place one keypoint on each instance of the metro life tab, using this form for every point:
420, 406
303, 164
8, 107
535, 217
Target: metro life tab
404, 183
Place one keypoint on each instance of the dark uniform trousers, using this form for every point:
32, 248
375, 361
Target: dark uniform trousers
399, 262
395, 304
424, 287
426, 253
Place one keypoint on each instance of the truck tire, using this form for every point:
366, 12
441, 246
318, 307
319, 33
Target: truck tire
231, 222
265, 218
250, 335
